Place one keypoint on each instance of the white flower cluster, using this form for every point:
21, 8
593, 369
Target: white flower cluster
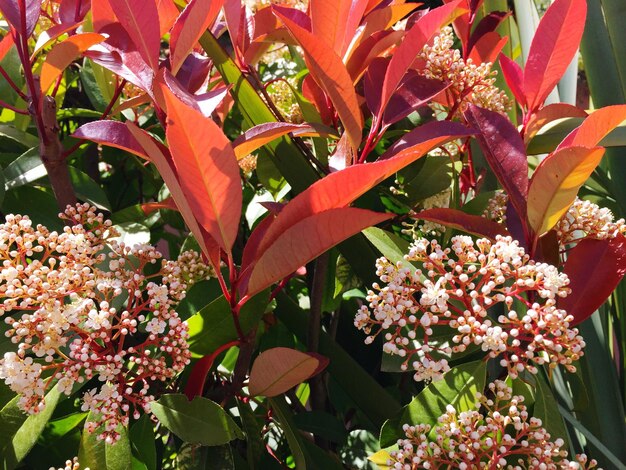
469, 83
474, 294
498, 434
79, 314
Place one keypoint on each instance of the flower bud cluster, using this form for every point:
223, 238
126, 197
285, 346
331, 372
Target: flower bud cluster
498, 434
496, 207
585, 219
70, 465
85, 308
482, 294
469, 83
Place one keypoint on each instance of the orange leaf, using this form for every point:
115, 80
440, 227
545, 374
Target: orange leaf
595, 127
556, 182
331, 75
258, 136
550, 113
167, 15
553, 47
383, 19
140, 19
162, 162
277, 370
102, 14
63, 54
328, 21
207, 169
190, 25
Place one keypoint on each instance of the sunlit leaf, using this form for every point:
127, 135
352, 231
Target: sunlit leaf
457, 219
556, 182
277, 370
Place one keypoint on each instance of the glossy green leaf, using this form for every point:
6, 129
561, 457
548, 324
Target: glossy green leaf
98, 455
142, 442
200, 421
457, 388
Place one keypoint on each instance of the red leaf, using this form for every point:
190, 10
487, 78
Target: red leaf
331, 75
63, 54
140, 19
343, 187
119, 55
594, 268
5, 45
514, 78
113, 134
194, 20
553, 47
377, 45
505, 152
277, 370
13, 14
102, 14
596, 127
207, 168
416, 38
161, 160
487, 48
550, 113
206, 103
460, 220
200, 370
306, 240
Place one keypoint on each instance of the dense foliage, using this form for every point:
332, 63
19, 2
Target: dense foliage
312, 234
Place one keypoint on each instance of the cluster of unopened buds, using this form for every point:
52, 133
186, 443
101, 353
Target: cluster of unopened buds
83, 308
499, 433
469, 83
70, 465
483, 295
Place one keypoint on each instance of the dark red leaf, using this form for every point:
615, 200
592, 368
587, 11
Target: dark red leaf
113, 134
415, 91
460, 220
594, 268
505, 152
73, 11
13, 14
194, 72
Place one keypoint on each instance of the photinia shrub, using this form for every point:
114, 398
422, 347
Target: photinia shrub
308, 234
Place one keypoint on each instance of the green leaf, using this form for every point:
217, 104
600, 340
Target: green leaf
38, 203
60, 427
283, 413
213, 326
21, 431
255, 447
457, 388
24, 169
200, 421
21, 137
546, 410
88, 190
390, 245
98, 455
142, 442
